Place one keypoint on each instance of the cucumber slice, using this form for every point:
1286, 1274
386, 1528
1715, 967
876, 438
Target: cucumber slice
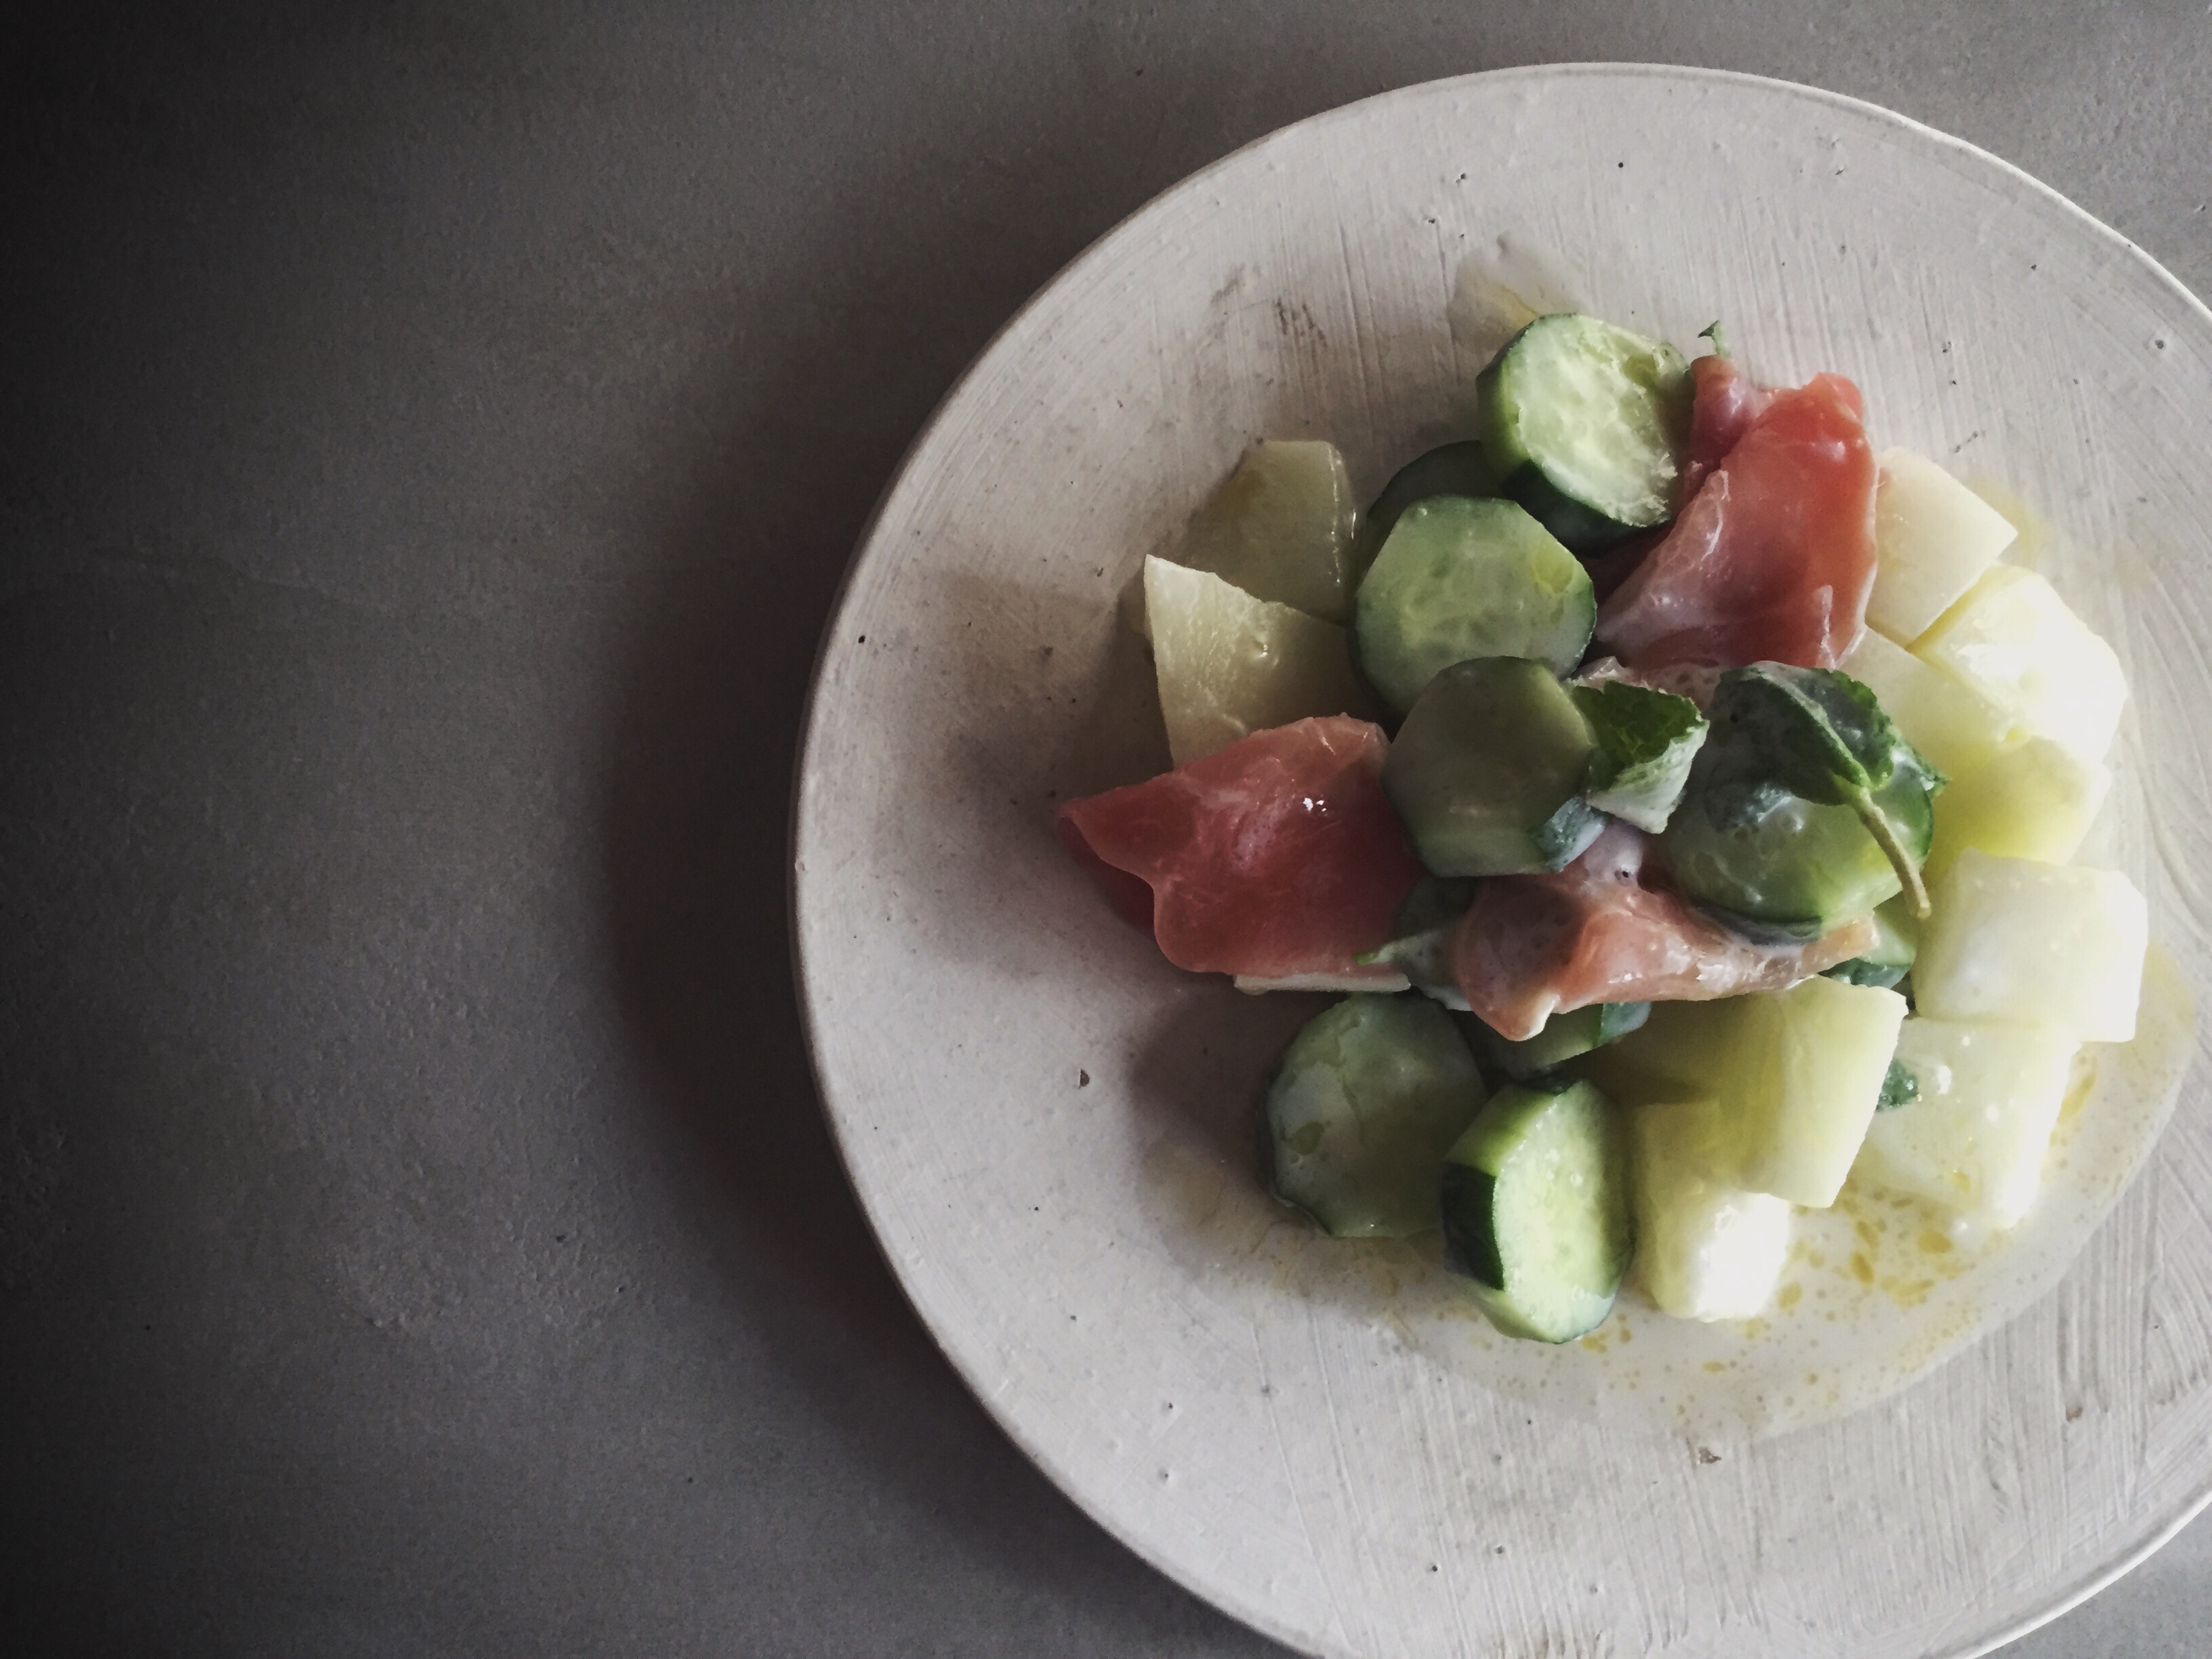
1458, 578
1459, 469
1487, 768
1797, 866
1563, 1036
1369, 1096
1646, 740
1536, 1208
1587, 424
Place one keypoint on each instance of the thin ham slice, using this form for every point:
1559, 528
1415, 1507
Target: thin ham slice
1277, 858
1772, 560
1599, 930
1724, 402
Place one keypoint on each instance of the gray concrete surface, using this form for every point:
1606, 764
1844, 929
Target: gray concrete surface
431, 439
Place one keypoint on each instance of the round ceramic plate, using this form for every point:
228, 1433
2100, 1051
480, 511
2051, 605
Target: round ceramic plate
1051, 1129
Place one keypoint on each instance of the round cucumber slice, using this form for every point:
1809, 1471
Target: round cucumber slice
1587, 424
1795, 865
1459, 578
1487, 771
1459, 469
1536, 1206
1368, 1097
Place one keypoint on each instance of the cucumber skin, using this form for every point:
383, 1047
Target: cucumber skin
1398, 664
1471, 1250
1367, 1044
1467, 1201
1581, 528
1579, 1030
1459, 469
1455, 720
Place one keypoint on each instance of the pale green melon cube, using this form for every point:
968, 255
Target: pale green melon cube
1705, 1250
1933, 538
1281, 527
1231, 664
1940, 714
1806, 1075
1972, 1141
2015, 641
1794, 1076
2032, 943
2033, 799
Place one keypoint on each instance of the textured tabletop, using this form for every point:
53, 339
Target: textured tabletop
432, 439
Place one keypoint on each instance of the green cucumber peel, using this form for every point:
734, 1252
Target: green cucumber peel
1712, 332
1821, 735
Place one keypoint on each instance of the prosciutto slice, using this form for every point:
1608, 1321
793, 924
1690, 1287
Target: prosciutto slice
1772, 560
1599, 930
1724, 402
1276, 857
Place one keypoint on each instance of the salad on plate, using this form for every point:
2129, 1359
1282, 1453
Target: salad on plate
1681, 796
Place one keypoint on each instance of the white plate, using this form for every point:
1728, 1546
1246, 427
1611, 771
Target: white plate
1049, 1127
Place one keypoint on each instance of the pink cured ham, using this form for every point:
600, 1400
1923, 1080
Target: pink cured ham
1724, 403
1277, 857
1772, 560
1600, 932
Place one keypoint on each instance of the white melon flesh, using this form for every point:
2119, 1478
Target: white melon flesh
1933, 538
1940, 714
1974, 1140
1231, 664
2014, 639
1704, 1249
1806, 1081
1794, 1075
1281, 527
2033, 799
2016, 940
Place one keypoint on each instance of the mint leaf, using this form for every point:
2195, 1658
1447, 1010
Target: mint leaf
1899, 1087
1646, 740
1821, 735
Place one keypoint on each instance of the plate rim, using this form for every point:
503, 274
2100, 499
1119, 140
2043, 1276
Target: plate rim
866, 551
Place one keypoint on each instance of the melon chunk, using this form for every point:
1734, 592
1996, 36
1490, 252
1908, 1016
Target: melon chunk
2014, 639
1281, 527
2033, 799
1793, 1076
1231, 664
1933, 538
2015, 940
1704, 1249
1973, 1139
1940, 714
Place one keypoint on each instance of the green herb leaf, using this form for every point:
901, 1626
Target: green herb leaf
1899, 1087
1821, 735
1646, 740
